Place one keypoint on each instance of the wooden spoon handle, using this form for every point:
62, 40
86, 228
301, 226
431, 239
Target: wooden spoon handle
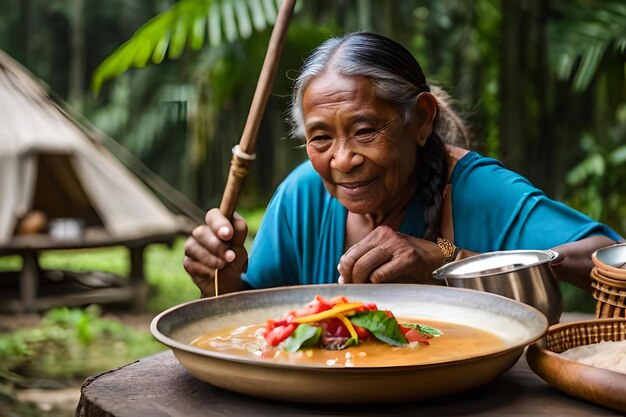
247, 145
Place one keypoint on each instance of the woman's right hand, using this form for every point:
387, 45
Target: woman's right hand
217, 244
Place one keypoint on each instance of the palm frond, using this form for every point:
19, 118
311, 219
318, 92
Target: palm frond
188, 23
583, 37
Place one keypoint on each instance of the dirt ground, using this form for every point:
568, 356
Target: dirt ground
59, 401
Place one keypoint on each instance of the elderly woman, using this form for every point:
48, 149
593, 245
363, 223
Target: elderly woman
387, 194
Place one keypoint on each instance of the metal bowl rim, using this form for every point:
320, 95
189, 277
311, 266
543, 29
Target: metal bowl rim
442, 272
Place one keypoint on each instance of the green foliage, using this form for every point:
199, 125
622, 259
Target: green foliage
582, 37
169, 283
576, 299
187, 23
13, 351
71, 344
114, 260
598, 183
11, 263
253, 218
457, 44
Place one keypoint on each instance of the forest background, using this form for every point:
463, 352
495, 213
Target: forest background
541, 83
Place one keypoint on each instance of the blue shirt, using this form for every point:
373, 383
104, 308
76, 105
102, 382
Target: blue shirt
301, 237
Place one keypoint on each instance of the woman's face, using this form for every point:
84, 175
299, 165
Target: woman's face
359, 144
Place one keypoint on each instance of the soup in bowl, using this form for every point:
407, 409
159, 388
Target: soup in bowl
483, 335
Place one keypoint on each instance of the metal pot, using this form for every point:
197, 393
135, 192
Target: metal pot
523, 275
66, 229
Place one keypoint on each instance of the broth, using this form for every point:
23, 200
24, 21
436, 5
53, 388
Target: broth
457, 342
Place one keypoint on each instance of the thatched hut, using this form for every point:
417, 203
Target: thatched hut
61, 188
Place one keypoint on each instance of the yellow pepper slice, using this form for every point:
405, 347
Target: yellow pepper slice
333, 312
349, 325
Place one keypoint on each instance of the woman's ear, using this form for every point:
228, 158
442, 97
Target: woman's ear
425, 112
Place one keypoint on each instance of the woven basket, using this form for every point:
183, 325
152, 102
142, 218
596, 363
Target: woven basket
598, 275
598, 385
610, 295
563, 337
614, 273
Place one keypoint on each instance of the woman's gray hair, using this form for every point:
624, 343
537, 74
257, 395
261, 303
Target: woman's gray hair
396, 77
394, 73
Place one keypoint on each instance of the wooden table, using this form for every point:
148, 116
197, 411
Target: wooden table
31, 295
158, 386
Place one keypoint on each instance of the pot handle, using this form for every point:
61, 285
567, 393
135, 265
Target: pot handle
557, 258
555, 255
439, 275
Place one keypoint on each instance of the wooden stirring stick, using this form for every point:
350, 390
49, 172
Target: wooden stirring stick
244, 153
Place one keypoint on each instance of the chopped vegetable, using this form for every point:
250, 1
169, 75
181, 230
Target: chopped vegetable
338, 323
333, 312
350, 327
277, 331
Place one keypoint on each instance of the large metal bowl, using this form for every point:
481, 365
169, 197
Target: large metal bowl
523, 275
516, 323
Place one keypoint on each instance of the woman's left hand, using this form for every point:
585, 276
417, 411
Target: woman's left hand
386, 256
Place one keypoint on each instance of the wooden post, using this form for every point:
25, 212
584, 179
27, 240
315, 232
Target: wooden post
29, 282
136, 279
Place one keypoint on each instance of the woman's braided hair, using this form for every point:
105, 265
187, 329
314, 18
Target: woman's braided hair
397, 78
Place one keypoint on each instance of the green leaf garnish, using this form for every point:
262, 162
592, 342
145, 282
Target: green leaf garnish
351, 342
426, 330
303, 336
382, 327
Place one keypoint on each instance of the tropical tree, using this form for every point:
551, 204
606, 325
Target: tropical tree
588, 55
219, 89
524, 103
202, 88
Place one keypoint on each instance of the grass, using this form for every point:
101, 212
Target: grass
70, 344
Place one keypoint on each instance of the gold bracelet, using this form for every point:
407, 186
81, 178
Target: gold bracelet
447, 248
